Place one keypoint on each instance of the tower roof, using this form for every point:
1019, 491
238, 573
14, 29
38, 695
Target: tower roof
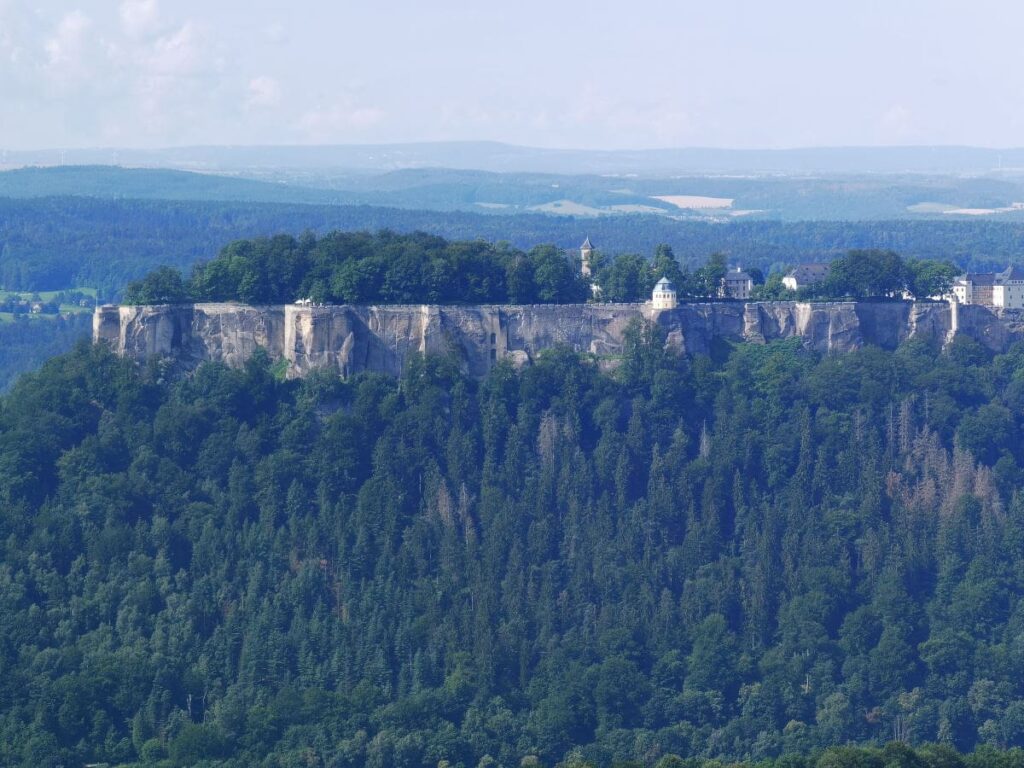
664, 285
586, 244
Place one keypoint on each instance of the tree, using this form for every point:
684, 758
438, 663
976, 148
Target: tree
194, 743
620, 692
712, 664
772, 289
667, 265
930, 279
628, 278
707, 281
164, 285
864, 274
987, 432
555, 278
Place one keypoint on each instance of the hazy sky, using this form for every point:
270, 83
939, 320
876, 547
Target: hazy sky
578, 73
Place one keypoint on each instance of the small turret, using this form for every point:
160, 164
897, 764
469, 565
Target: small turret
664, 295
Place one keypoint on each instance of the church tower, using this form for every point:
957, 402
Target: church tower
586, 251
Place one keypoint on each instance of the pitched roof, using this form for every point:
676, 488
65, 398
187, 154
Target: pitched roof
1012, 272
809, 273
737, 274
664, 285
586, 244
982, 278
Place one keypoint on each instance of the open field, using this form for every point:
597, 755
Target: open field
48, 297
687, 202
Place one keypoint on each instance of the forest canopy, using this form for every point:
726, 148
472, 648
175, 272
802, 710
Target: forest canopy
359, 268
55, 243
754, 556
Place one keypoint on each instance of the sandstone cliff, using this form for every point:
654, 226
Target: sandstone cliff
380, 338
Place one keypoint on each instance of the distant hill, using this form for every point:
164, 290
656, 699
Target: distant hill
495, 156
107, 181
692, 197
58, 242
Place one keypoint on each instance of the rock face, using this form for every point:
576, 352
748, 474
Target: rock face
380, 338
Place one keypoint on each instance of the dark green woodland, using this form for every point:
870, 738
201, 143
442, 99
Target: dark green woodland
761, 556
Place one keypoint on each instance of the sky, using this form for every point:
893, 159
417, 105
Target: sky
573, 74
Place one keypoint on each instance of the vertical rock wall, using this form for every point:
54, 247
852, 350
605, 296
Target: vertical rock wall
381, 338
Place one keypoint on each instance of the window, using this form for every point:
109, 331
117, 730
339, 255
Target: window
494, 338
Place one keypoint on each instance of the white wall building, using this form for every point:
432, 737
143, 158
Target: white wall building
586, 256
737, 284
664, 295
804, 275
991, 289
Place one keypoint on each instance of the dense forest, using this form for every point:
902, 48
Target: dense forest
63, 242
25, 343
748, 556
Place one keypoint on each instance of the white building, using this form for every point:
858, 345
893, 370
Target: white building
991, 289
586, 257
737, 284
664, 295
804, 275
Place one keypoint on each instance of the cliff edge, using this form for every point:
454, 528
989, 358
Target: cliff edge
380, 338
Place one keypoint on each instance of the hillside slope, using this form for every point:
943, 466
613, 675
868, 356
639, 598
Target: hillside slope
756, 554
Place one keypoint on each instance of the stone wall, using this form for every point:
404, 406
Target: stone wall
380, 338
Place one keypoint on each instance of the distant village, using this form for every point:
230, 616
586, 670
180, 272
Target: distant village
64, 301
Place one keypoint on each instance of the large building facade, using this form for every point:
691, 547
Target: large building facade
737, 284
805, 274
991, 289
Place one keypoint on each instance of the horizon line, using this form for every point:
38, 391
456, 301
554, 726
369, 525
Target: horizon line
512, 145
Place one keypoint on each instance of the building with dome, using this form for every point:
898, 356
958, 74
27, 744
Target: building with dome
664, 295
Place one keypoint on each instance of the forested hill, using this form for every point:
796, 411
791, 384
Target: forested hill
62, 242
759, 554
112, 182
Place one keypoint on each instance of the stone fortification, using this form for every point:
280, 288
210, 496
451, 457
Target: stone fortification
380, 338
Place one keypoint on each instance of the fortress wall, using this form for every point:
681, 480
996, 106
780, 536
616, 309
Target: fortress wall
381, 338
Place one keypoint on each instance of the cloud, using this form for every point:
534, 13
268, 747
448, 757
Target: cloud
16, 24
66, 47
140, 18
897, 124
339, 121
264, 93
180, 53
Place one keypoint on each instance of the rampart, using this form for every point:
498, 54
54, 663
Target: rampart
380, 338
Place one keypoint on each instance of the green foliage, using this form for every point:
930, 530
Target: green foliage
874, 273
864, 273
359, 268
772, 558
27, 342
164, 285
627, 278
